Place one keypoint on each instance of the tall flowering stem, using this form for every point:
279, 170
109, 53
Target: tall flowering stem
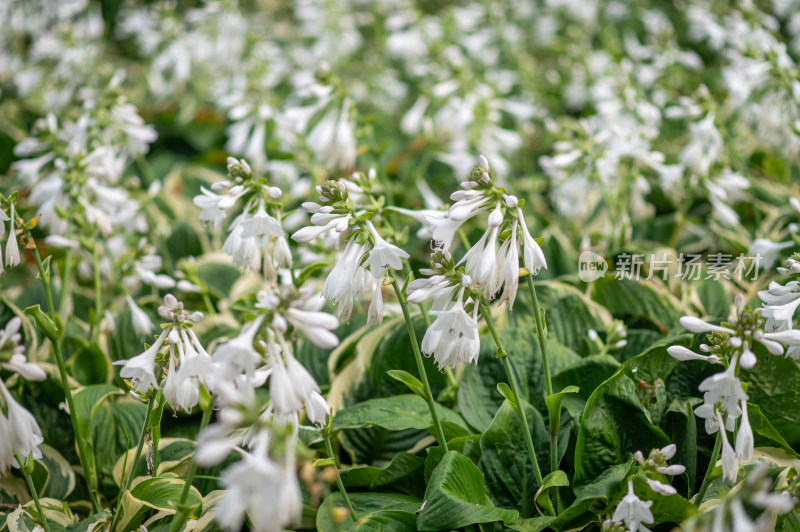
88, 467
27, 469
541, 333
326, 436
502, 354
126, 485
183, 512
698, 500
437, 425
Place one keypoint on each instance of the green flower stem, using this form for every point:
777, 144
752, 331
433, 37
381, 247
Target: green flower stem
326, 435
66, 286
127, 481
502, 354
34, 493
707, 478
548, 381
437, 425
98, 293
182, 514
62, 370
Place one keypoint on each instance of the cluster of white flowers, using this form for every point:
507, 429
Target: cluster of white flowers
21, 432
256, 238
364, 264
490, 266
724, 399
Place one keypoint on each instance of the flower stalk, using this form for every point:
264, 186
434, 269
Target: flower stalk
437, 425
502, 354
326, 436
26, 471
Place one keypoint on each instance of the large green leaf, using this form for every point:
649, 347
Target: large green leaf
648, 301
404, 466
407, 411
775, 388
456, 497
478, 397
622, 415
505, 461
569, 314
158, 494
369, 507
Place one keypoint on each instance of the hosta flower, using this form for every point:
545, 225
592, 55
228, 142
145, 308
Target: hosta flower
239, 356
23, 432
140, 370
453, 337
633, 512
263, 490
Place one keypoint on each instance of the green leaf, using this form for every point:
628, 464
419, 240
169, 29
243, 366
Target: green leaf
555, 479
158, 494
775, 388
402, 466
569, 314
413, 383
61, 478
387, 521
393, 413
763, 427
622, 415
456, 497
478, 397
645, 300
554, 407
366, 505
505, 461
506, 392
587, 374
183, 242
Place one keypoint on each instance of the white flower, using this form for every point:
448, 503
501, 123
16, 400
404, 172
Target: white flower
383, 255
141, 321
726, 389
7, 458
12, 247
317, 409
375, 313
533, 257
268, 493
767, 251
453, 337
633, 511
704, 148
508, 268
261, 227
25, 434
678, 352
744, 439
212, 205
317, 326
140, 369
347, 280
239, 356
663, 489
730, 464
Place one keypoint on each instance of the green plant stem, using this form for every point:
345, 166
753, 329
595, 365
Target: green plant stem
128, 480
66, 286
541, 334
502, 354
98, 293
182, 514
326, 435
34, 493
62, 371
437, 425
707, 478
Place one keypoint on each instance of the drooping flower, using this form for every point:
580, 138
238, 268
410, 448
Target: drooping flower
633, 512
453, 337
